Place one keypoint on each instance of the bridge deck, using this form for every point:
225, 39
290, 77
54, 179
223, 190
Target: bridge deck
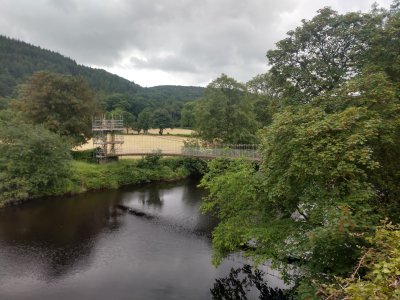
142, 145
198, 155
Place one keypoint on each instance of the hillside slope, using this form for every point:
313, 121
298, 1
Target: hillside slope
171, 92
18, 60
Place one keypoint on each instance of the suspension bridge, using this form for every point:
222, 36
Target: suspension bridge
110, 142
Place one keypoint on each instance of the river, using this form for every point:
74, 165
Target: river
86, 247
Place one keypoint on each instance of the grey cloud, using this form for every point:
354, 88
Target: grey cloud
68, 6
199, 39
168, 63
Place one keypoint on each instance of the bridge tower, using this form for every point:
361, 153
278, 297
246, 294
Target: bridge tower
107, 137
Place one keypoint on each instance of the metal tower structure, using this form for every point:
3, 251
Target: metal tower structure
107, 137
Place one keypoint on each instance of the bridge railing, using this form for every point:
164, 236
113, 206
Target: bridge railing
229, 151
141, 145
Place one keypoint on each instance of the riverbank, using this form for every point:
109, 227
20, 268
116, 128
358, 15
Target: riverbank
85, 176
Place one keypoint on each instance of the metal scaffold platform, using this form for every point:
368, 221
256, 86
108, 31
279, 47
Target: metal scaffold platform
107, 137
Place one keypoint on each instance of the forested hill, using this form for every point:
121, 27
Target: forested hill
18, 60
172, 92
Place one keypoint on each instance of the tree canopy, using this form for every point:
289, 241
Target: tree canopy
225, 114
33, 160
322, 54
328, 173
188, 117
63, 104
162, 120
144, 120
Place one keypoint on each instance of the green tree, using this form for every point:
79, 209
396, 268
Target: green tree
188, 115
161, 120
144, 120
135, 126
384, 44
63, 104
329, 173
381, 262
262, 85
117, 101
264, 96
33, 160
321, 54
129, 119
225, 113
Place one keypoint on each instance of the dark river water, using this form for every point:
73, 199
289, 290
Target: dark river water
86, 247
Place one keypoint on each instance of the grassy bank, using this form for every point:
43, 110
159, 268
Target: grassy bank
85, 176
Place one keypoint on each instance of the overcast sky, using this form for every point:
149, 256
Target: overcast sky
154, 42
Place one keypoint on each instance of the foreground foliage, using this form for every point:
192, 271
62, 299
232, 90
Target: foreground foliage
381, 263
330, 157
33, 161
329, 173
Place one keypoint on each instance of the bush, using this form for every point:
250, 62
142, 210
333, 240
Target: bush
382, 263
150, 161
85, 155
33, 161
88, 176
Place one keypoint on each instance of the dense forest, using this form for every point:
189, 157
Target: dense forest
19, 60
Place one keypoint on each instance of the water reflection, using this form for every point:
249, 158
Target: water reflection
151, 198
58, 234
173, 204
243, 283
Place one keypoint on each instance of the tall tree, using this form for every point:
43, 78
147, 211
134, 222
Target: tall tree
161, 120
321, 54
63, 104
264, 96
188, 115
225, 113
262, 85
384, 44
144, 120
